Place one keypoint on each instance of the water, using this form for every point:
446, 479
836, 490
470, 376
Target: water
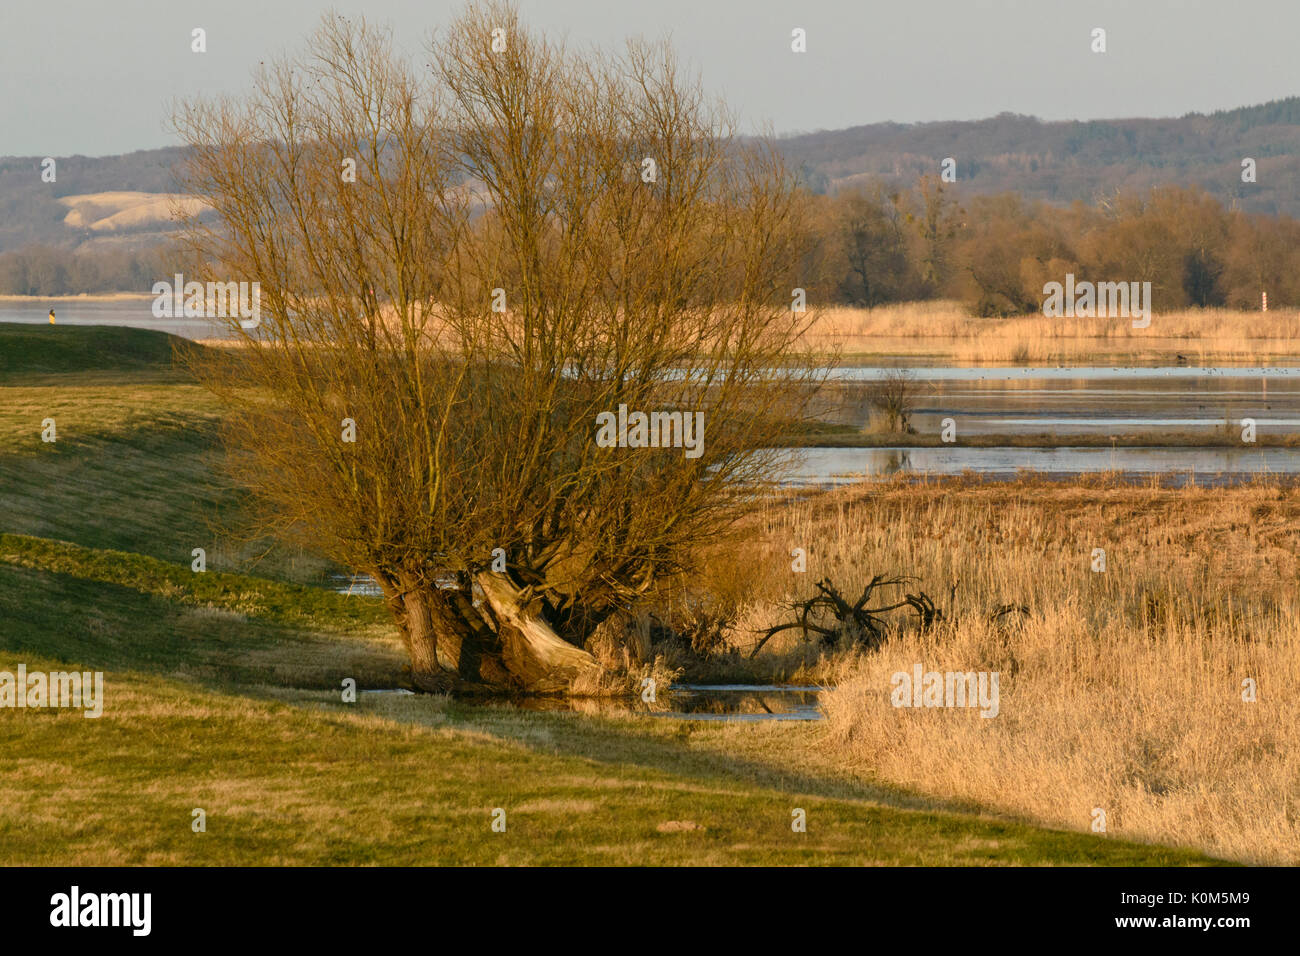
731, 702
1095, 373
355, 584
747, 703
135, 313
821, 467
1061, 403
366, 586
741, 702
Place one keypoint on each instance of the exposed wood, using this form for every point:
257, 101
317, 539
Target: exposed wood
538, 658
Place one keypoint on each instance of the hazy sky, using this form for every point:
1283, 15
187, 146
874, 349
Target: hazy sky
97, 76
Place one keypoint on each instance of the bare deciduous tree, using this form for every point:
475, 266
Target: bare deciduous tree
641, 254
894, 396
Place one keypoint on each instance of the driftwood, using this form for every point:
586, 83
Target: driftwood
1000, 613
858, 620
864, 623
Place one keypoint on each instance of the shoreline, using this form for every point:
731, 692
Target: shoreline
79, 297
855, 439
940, 332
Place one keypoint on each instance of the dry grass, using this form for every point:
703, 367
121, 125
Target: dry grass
944, 329
1123, 690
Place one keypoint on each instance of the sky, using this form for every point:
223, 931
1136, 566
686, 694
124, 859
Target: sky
100, 77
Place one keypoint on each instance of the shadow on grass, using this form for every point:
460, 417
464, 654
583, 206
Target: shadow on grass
254, 639
700, 753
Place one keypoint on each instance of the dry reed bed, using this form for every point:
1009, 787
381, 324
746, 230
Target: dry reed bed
944, 328
1123, 689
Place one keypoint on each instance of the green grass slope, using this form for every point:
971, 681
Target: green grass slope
33, 349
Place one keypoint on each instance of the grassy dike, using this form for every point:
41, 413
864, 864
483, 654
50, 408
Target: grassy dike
221, 692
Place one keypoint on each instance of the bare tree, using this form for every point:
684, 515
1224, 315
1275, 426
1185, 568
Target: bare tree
894, 396
533, 242
871, 237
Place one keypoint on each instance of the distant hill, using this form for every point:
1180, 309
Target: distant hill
1065, 161
32, 211
1055, 161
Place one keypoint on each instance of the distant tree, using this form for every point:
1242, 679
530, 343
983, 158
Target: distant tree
1199, 226
874, 248
13, 274
47, 270
938, 220
1201, 273
1130, 244
893, 396
1010, 251
1263, 256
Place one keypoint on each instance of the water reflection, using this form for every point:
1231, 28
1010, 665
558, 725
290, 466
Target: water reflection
822, 467
1068, 402
742, 702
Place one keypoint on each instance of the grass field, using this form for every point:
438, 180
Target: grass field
222, 693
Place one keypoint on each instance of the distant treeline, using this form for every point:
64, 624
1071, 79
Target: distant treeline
995, 253
874, 246
50, 270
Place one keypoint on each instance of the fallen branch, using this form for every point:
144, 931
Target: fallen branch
866, 624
